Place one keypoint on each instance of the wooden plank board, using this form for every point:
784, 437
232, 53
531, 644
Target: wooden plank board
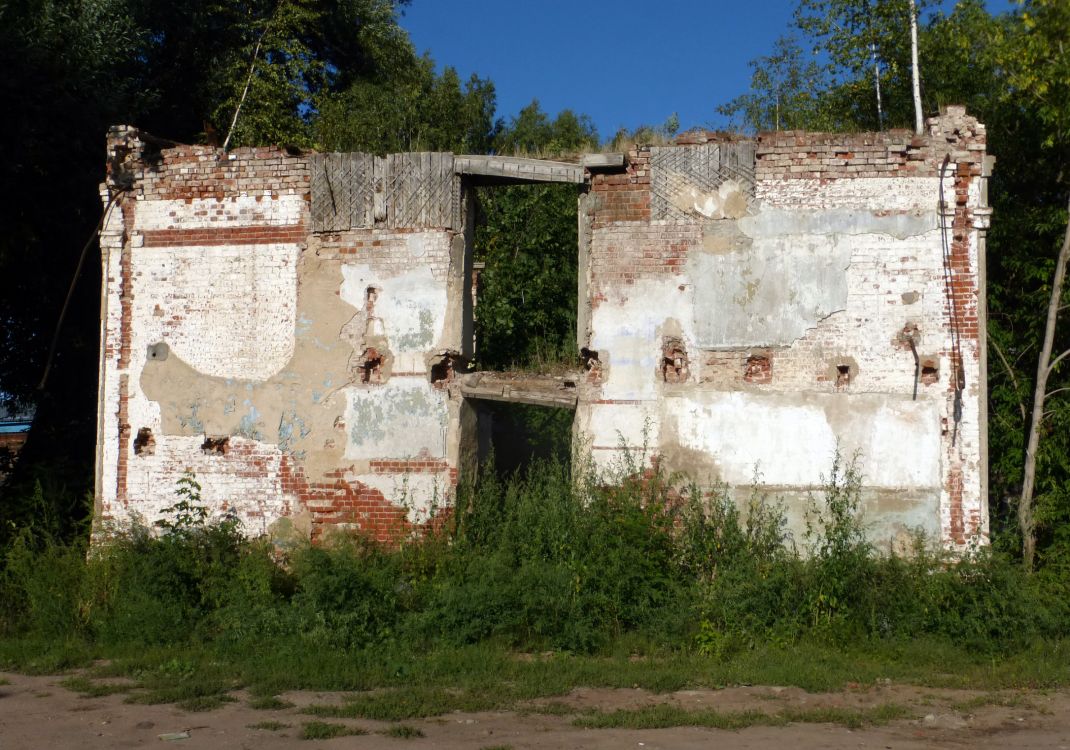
412, 190
510, 394
519, 169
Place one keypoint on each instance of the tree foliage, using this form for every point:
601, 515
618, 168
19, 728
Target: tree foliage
410, 108
526, 236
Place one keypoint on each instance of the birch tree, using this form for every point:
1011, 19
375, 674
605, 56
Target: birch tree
1040, 64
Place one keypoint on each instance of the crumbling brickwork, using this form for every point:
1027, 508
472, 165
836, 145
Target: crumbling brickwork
792, 314
747, 308
229, 324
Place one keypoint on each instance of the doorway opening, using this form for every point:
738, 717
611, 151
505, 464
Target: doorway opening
525, 278
513, 436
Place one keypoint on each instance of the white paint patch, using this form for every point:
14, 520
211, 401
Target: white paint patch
868, 194
422, 495
792, 441
621, 437
245, 484
770, 293
225, 213
410, 308
626, 326
403, 418
229, 312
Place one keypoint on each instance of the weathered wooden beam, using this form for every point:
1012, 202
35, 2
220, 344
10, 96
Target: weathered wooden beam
518, 169
538, 390
602, 161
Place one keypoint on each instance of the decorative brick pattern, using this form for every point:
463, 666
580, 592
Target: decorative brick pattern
225, 236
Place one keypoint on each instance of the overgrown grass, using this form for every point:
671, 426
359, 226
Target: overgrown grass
402, 732
269, 726
664, 715
412, 702
205, 702
90, 689
537, 585
320, 730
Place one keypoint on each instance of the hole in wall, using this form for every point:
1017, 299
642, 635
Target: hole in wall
591, 364
758, 369
371, 368
144, 442
674, 363
589, 358
444, 369
215, 445
843, 375
930, 372
513, 436
525, 251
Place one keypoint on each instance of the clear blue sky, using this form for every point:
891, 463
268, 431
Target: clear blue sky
623, 62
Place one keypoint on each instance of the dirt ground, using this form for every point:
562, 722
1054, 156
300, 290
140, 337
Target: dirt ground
36, 712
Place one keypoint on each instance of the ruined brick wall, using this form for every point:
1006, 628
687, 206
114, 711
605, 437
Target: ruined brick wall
290, 371
751, 307
748, 323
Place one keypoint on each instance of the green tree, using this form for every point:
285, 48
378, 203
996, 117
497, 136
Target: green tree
526, 236
1039, 76
410, 108
788, 89
66, 77
198, 56
867, 44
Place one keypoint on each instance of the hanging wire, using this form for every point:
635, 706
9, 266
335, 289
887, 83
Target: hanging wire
957, 373
74, 281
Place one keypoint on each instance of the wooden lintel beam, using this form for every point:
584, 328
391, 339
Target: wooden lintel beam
518, 169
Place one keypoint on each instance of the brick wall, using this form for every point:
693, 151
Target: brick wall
228, 338
793, 154
868, 207
236, 341
623, 196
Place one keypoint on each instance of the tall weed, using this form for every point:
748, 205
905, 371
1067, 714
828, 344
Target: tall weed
560, 557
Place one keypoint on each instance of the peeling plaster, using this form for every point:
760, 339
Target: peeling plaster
285, 409
401, 419
410, 310
769, 293
775, 222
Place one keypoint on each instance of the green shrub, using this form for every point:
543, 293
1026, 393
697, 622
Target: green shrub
547, 561
42, 585
557, 558
347, 593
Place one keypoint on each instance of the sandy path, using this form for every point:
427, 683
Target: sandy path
35, 712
